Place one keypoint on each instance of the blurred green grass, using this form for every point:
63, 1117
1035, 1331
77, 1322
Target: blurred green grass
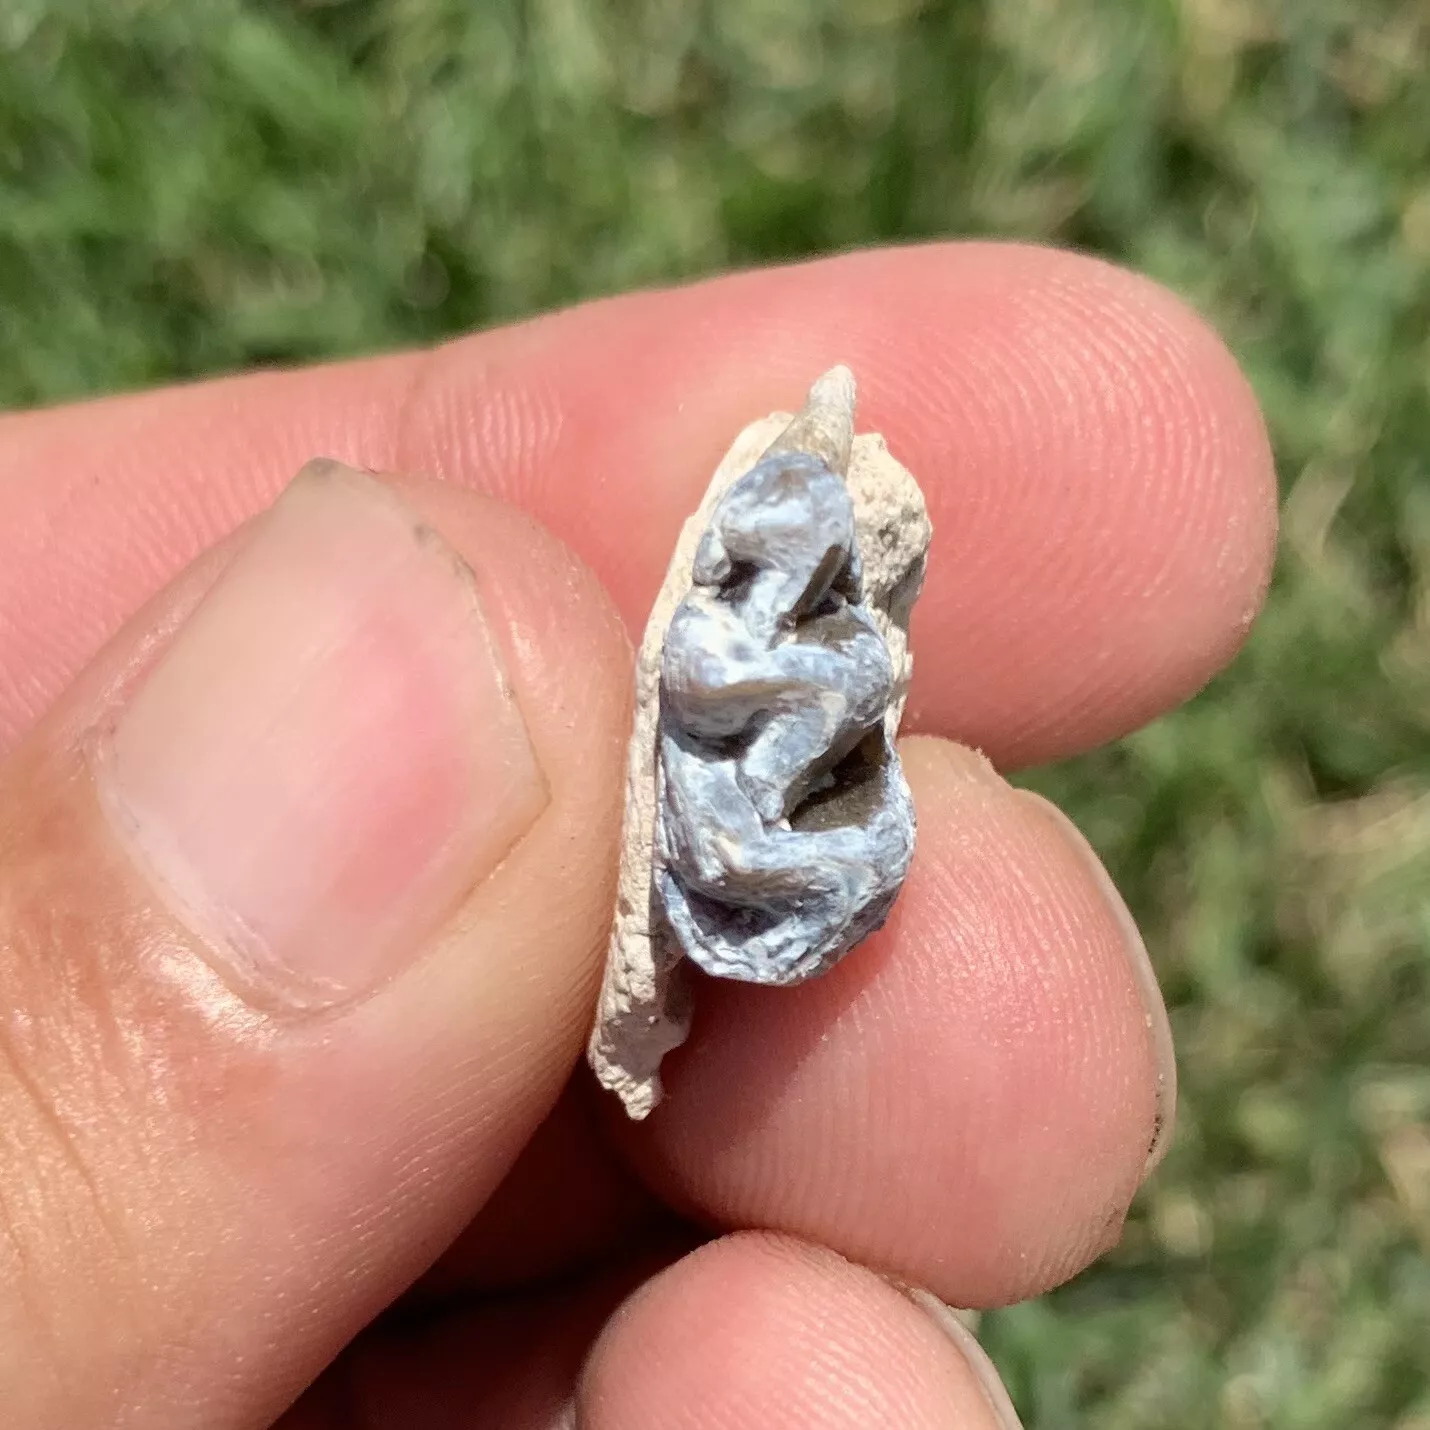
191, 187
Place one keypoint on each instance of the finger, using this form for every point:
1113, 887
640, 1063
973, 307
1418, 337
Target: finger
514, 1367
969, 1100
751, 1331
569, 1202
1096, 468
513, 1363
766, 1333
298, 926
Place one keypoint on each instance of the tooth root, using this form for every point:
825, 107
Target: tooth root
825, 425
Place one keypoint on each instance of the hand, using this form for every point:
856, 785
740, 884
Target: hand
308, 829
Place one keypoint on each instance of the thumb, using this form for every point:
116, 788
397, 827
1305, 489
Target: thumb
301, 895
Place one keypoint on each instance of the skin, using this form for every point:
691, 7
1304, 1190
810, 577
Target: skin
965, 1105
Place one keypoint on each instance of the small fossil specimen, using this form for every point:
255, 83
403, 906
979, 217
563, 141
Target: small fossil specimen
768, 825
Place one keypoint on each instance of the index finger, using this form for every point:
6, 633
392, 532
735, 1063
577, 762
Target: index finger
1096, 469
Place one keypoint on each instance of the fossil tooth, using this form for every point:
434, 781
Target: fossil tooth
824, 427
768, 826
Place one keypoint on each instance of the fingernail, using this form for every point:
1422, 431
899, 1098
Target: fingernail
329, 755
984, 1371
1159, 1030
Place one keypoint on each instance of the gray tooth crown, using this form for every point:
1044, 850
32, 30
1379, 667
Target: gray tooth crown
784, 824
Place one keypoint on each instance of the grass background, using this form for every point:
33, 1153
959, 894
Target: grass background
191, 187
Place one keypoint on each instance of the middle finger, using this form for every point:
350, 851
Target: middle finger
971, 1100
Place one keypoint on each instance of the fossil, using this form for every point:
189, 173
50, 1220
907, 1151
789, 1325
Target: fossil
768, 825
